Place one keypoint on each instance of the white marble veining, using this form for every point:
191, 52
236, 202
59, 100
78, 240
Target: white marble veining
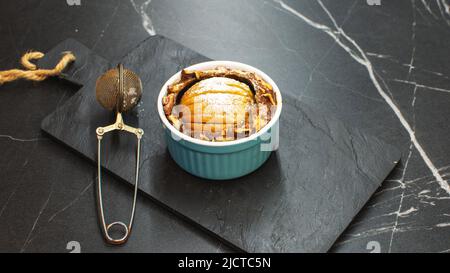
418, 191
415, 84
359, 55
146, 20
21, 139
71, 203
30, 233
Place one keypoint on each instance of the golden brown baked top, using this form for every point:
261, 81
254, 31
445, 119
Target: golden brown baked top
220, 104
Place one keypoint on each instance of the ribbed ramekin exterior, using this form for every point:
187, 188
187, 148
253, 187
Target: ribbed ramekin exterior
217, 166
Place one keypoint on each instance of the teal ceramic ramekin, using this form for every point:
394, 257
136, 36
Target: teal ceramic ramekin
221, 160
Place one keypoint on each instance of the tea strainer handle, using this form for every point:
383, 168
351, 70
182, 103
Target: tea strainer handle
118, 125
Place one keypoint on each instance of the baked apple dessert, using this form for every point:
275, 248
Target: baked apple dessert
220, 104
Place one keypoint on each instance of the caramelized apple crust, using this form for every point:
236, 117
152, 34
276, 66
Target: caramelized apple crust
219, 104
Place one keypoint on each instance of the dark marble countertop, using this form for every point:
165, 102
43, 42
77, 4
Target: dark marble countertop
382, 68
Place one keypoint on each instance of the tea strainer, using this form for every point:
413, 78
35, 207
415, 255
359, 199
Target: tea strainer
118, 90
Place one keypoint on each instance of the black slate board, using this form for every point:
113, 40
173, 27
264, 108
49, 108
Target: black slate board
86, 67
300, 200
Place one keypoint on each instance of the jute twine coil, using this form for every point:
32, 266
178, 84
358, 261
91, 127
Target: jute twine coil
32, 73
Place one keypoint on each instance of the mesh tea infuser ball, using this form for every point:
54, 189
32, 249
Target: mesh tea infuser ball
117, 90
